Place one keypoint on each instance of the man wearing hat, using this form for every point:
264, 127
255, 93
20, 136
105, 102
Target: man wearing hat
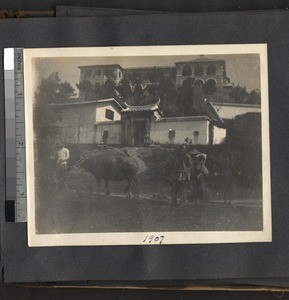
61, 157
199, 171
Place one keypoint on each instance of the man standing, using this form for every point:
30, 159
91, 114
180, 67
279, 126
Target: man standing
199, 171
182, 173
61, 157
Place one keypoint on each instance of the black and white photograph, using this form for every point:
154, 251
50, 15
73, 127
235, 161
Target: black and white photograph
147, 145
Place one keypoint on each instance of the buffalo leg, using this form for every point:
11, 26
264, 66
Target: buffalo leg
98, 187
107, 192
132, 187
129, 188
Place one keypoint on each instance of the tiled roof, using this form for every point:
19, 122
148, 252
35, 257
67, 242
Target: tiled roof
137, 108
112, 100
212, 113
108, 122
184, 119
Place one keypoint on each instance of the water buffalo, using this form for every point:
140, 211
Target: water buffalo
111, 164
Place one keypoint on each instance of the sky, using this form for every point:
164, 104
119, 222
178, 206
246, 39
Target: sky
242, 69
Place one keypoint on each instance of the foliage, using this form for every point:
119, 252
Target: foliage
124, 88
50, 90
239, 94
209, 87
87, 90
254, 97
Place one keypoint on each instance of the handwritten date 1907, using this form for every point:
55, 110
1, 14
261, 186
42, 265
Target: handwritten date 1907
153, 239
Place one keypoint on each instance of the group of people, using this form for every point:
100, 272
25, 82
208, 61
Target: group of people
58, 165
189, 173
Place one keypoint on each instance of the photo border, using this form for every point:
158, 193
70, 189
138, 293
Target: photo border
137, 238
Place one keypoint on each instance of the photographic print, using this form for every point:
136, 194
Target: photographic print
147, 145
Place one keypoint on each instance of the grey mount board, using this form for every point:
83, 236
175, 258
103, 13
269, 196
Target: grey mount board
166, 263
73, 11
159, 5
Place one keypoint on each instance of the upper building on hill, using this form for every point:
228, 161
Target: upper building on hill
201, 70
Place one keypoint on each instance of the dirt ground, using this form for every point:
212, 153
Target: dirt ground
82, 210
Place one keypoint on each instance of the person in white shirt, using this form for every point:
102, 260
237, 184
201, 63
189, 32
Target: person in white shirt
61, 157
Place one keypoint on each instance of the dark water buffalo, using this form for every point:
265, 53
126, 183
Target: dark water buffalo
111, 165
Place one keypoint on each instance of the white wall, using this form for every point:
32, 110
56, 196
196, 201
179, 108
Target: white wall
219, 135
100, 112
229, 111
183, 129
77, 123
114, 133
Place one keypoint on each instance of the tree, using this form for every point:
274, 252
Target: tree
50, 90
125, 88
138, 98
86, 90
187, 96
255, 97
108, 90
154, 76
210, 87
239, 94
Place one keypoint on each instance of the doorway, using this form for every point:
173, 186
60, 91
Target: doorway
139, 133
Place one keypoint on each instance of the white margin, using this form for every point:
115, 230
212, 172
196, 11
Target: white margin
136, 238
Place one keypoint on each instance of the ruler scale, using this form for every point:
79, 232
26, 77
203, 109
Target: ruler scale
10, 164
16, 198
21, 197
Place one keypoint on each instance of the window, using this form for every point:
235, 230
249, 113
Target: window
109, 114
196, 137
172, 134
105, 137
212, 69
108, 73
97, 73
87, 73
199, 82
199, 70
187, 70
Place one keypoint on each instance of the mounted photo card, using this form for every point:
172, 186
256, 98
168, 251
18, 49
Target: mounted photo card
147, 145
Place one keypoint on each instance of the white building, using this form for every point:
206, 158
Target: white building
106, 121
79, 120
199, 130
231, 110
146, 122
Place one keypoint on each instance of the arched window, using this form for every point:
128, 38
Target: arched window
210, 86
199, 70
187, 70
199, 82
212, 69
